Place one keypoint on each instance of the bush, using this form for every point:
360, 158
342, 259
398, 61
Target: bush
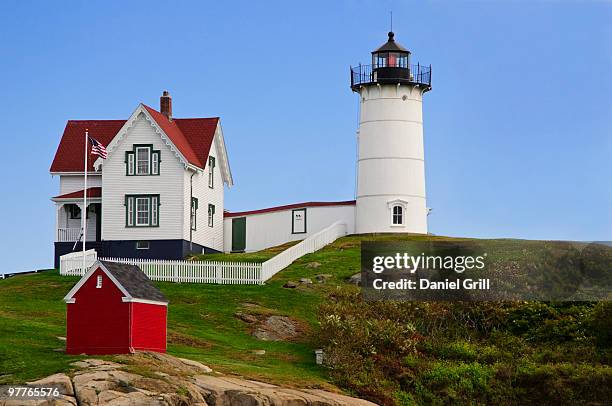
600, 324
404, 353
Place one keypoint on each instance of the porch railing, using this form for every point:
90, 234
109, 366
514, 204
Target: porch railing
72, 263
68, 234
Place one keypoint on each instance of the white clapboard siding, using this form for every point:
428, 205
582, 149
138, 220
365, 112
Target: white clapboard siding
220, 272
197, 183
168, 184
74, 183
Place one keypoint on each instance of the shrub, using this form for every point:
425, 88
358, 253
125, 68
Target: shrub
404, 353
600, 324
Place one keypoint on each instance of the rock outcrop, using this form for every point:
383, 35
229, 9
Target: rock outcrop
161, 379
277, 328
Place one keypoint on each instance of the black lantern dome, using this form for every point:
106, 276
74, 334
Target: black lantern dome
391, 54
391, 64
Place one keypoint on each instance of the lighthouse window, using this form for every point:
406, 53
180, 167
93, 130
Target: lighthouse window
393, 57
398, 215
381, 60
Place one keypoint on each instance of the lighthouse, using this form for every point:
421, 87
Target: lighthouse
390, 196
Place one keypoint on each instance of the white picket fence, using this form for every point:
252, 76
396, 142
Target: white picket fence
219, 272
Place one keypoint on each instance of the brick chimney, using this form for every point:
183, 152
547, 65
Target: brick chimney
165, 104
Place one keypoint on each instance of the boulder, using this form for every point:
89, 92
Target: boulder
323, 277
276, 328
290, 285
306, 281
183, 383
355, 279
240, 392
196, 364
247, 318
61, 380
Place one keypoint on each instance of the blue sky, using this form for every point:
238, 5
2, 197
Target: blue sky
518, 127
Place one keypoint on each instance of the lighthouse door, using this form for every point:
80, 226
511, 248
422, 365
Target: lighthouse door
239, 234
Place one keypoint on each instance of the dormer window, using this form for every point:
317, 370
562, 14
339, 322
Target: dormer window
142, 160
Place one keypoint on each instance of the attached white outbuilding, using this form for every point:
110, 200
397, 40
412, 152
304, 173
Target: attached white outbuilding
259, 229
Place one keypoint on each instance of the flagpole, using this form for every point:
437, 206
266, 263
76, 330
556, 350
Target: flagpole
84, 210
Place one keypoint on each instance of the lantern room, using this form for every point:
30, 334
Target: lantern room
391, 65
391, 55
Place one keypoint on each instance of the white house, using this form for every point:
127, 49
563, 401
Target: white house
160, 192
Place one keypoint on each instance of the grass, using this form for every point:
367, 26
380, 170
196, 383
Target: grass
202, 324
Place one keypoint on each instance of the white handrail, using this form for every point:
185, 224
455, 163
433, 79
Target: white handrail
311, 244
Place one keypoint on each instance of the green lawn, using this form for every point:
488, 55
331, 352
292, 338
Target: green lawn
202, 325
201, 320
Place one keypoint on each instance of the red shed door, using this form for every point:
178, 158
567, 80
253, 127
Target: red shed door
149, 327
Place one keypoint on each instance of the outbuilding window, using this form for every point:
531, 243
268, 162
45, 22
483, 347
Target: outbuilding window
398, 215
99, 282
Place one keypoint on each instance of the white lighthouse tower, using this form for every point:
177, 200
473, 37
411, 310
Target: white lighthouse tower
391, 159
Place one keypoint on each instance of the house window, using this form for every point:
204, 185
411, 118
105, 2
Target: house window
211, 215
194, 212
211, 171
398, 215
99, 282
142, 160
142, 245
75, 211
142, 210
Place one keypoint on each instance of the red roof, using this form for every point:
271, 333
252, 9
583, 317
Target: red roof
192, 136
91, 192
289, 206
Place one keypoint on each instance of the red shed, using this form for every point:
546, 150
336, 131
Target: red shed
115, 309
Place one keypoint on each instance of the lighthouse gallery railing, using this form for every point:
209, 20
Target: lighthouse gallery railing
416, 74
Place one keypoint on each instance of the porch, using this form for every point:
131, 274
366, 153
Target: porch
69, 212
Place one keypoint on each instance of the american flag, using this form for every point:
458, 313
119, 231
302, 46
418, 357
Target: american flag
97, 148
